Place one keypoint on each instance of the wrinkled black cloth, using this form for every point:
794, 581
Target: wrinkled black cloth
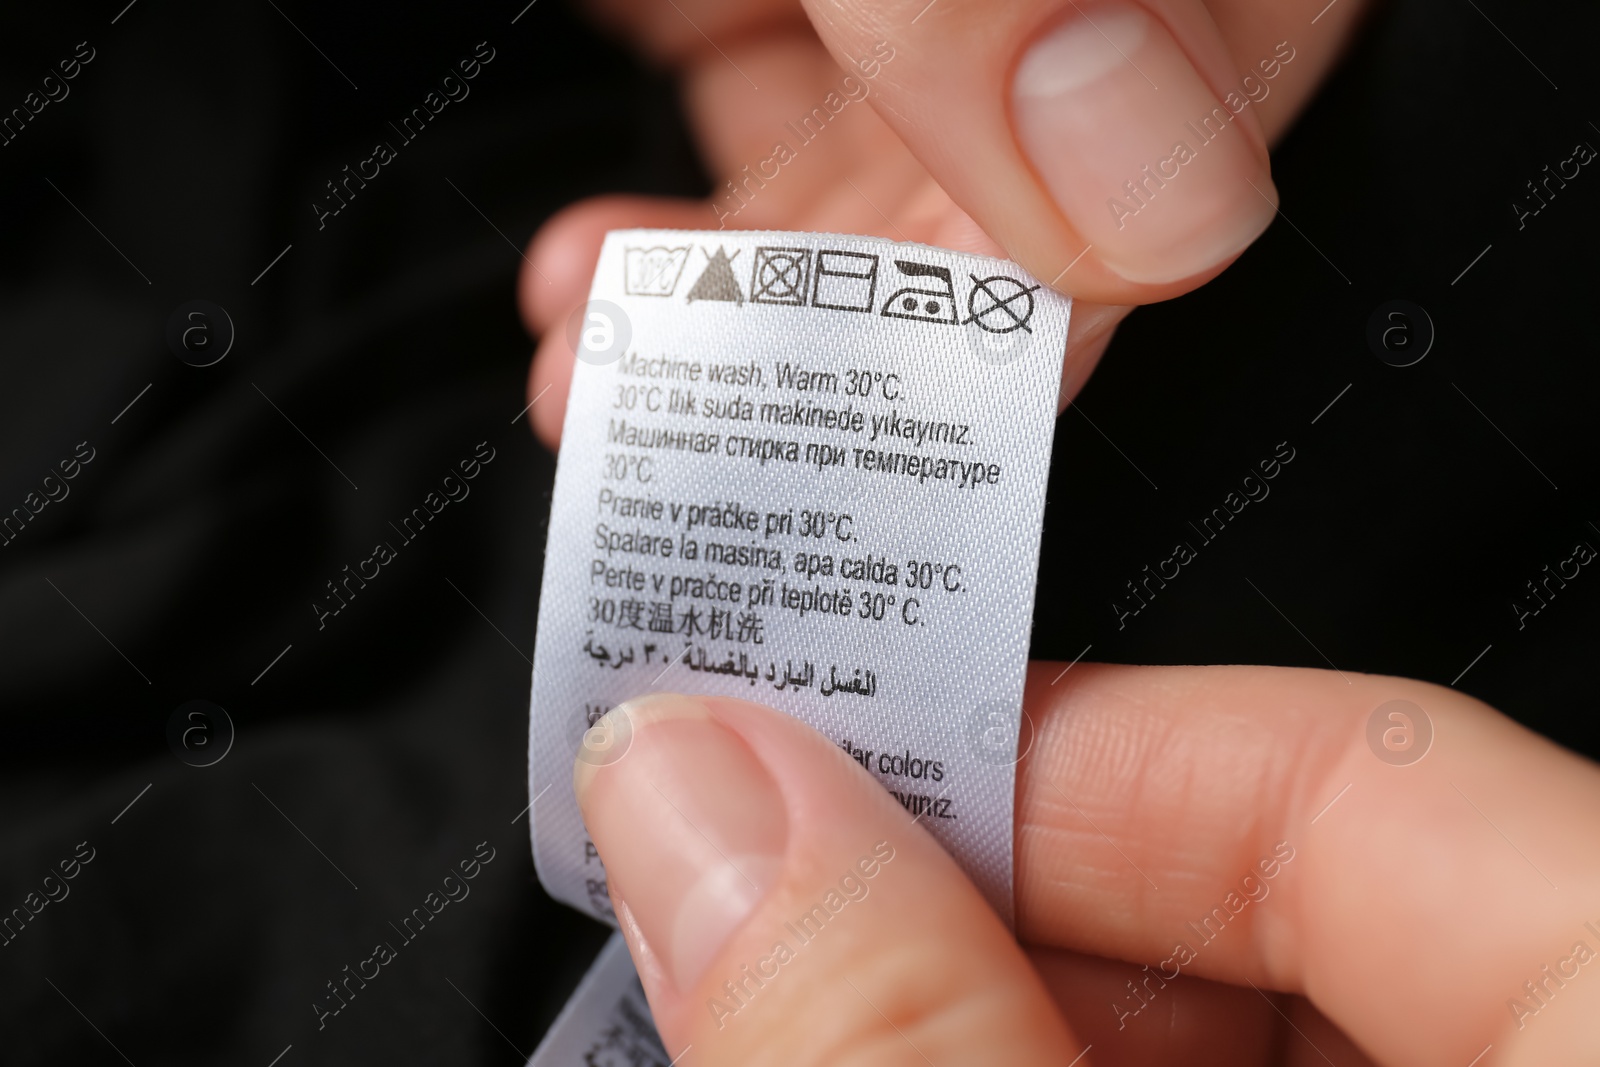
368, 753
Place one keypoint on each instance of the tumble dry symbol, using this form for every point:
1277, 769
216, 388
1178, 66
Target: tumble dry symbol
995, 311
846, 281
780, 276
652, 271
937, 304
840, 280
717, 282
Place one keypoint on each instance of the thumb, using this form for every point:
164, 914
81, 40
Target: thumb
1106, 129
782, 908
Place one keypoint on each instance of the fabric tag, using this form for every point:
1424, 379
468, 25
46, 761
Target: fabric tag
606, 1022
806, 470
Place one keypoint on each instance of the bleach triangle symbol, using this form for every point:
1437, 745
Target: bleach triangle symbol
717, 282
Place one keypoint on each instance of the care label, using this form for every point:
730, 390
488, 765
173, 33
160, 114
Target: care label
606, 1022
806, 470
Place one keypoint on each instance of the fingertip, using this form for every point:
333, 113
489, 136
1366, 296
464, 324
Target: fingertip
1061, 129
558, 264
549, 382
561, 257
781, 899
1146, 1015
1088, 337
554, 283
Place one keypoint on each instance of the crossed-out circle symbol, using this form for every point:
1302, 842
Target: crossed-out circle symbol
999, 310
781, 276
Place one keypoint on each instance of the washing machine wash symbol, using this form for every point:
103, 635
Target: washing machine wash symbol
652, 271
924, 304
780, 276
999, 311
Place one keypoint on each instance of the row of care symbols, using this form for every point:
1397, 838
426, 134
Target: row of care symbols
836, 280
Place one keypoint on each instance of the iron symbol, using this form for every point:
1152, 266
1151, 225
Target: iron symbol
924, 304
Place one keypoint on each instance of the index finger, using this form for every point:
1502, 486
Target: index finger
1236, 823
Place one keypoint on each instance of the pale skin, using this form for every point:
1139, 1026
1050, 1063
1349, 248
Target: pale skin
1419, 898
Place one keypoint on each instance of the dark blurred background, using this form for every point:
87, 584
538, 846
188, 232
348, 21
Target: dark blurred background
356, 758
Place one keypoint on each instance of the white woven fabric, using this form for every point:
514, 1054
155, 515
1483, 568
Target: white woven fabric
857, 433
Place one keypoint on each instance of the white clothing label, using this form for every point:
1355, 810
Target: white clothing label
805, 470
606, 1022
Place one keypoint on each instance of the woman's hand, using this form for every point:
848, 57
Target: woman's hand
1117, 150
1227, 865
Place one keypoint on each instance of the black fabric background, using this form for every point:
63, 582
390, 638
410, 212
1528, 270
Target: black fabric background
395, 738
